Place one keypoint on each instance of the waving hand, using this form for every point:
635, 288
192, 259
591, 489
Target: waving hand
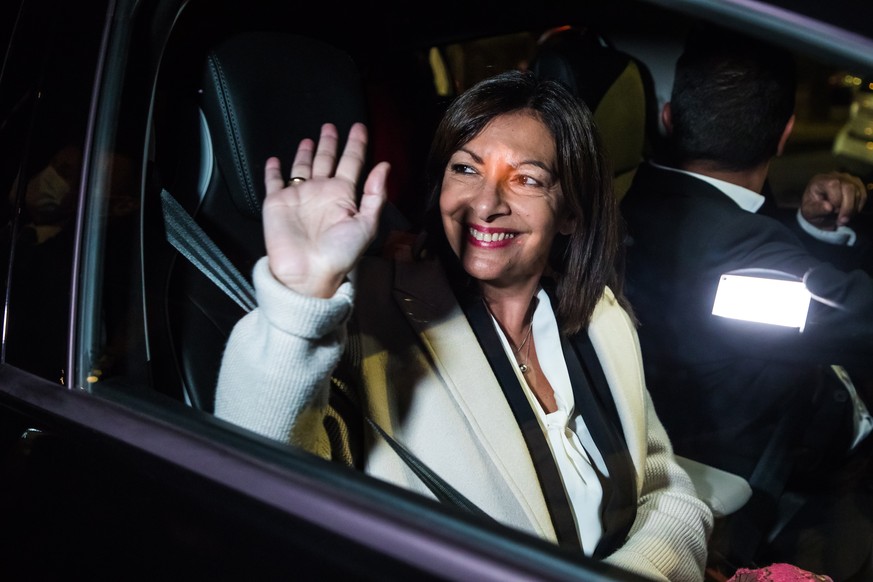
315, 230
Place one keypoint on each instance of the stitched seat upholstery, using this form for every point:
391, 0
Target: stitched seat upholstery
260, 93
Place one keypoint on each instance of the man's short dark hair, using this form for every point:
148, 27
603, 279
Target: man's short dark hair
732, 96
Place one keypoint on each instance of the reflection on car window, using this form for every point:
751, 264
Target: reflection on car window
45, 91
43, 244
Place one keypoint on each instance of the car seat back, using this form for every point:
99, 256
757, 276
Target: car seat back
260, 93
616, 87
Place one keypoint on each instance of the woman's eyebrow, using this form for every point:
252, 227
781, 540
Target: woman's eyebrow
472, 154
538, 164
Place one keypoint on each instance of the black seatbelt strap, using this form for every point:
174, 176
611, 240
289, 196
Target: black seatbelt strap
188, 238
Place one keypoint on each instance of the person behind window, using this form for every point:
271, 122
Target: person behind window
765, 402
43, 250
502, 354
43, 254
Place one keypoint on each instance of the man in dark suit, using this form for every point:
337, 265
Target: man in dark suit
759, 400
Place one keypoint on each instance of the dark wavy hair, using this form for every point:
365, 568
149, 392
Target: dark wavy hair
731, 99
584, 262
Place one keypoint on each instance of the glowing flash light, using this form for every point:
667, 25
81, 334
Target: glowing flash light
765, 297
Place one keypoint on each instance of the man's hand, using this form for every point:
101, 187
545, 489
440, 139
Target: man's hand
832, 199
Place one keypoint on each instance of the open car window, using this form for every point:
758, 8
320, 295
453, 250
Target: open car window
115, 106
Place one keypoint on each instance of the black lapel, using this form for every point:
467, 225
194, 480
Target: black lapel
544, 462
595, 403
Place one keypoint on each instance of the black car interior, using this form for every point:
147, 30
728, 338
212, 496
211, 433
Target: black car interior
242, 113
259, 93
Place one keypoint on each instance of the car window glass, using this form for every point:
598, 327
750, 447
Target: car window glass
829, 130
46, 88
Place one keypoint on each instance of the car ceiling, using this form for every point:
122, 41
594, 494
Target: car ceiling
837, 31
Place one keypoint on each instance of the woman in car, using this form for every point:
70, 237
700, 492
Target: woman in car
500, 351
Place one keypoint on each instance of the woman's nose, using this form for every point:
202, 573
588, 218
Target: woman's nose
490, 201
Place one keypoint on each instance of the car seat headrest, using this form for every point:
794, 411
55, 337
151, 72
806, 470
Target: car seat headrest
265, 91
611, 83
582, 60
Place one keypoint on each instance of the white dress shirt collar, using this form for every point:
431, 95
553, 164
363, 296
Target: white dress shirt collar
744, 198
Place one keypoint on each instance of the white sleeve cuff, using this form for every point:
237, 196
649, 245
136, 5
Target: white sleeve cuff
844, 235
296, 314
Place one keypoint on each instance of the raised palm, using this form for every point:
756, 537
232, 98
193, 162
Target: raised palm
315, 231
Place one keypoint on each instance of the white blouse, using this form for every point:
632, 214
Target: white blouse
579, 462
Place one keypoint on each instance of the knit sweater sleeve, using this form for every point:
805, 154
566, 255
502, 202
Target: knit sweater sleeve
673, 525
275, 371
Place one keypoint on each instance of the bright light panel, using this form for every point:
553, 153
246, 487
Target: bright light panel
772, 301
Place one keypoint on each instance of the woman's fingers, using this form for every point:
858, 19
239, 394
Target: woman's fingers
319, 160
273, 176
322, 165
352, 160
374, 196
302, 165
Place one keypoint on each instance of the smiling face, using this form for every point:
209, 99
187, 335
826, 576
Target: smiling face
501, 202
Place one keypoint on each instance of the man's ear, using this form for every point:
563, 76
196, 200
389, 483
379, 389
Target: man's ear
785, 133
667, 118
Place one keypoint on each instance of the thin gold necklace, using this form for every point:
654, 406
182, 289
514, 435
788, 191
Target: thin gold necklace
523, 365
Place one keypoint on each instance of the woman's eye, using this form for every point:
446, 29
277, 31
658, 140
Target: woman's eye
462, 169
529, 181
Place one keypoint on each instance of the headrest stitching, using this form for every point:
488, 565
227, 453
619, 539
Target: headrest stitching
240, 162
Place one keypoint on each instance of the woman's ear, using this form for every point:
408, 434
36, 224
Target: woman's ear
567, 226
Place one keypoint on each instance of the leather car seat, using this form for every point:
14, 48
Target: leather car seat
616, 87
259, 94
